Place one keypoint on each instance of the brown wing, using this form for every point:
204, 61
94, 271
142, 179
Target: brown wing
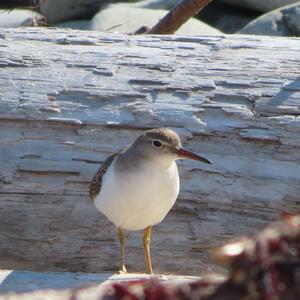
96, 183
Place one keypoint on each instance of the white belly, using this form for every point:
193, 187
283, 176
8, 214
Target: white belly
138, 200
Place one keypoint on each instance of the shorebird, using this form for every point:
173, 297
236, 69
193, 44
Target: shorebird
136, 187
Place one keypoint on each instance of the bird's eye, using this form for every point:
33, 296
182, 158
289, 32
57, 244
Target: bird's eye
156, 144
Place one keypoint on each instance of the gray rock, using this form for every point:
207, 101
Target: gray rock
261, 5
18, 17
156, 4
65, 10
224, 17
127, 18
80, 25
227, 18
281, 22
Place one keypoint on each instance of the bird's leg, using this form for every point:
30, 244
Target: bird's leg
121, 235
146, 241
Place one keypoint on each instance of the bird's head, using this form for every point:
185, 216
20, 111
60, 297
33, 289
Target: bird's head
163, 144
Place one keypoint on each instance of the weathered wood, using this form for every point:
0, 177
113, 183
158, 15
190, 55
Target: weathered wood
70, 98
29, 281
264, 266
67, 286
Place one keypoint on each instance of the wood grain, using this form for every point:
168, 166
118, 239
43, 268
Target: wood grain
69, 99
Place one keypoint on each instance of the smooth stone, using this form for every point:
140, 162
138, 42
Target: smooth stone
261, 5
122, 18
79, 25
18, 17
156, 4
227, 18
280, 22
221, 16
60, 11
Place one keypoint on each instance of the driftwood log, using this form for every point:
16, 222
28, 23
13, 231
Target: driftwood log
71, 98
262, 267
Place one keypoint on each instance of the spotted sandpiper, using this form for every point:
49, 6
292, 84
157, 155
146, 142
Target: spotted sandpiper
136, 187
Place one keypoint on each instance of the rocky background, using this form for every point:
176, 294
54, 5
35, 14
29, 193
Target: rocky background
263, 17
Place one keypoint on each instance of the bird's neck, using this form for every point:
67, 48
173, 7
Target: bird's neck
130, 161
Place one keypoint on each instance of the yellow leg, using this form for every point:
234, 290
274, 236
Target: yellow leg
122, 250
146, 241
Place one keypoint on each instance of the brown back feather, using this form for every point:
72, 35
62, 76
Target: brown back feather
96, 183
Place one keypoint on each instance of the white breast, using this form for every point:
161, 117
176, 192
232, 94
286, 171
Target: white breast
139, 199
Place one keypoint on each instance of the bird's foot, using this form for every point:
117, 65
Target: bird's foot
149, 273
122, 271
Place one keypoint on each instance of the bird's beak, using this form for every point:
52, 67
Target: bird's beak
182, 153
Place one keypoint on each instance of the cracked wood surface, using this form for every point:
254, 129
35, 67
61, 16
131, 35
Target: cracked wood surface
41, 282
71, 98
